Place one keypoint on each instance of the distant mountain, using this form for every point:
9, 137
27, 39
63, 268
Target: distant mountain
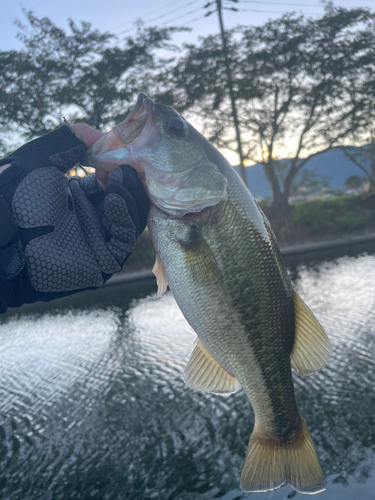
333, 164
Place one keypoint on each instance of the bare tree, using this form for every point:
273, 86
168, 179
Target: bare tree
291, 80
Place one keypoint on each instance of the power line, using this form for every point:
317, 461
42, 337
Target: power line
274, 11
261, 11
166, 14
267, 2
191, 21
282, 4
183, 15
148, 14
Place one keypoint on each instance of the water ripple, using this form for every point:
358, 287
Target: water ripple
93, 404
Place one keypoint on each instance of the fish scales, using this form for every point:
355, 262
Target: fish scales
237, 319
217, 252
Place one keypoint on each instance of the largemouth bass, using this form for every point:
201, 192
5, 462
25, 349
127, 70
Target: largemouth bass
216, 250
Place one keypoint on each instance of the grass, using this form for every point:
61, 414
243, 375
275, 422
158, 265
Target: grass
343, 213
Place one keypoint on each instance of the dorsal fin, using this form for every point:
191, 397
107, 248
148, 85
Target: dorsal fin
203, 372
161, 278
311, 349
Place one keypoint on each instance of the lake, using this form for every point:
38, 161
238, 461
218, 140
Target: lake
93, 403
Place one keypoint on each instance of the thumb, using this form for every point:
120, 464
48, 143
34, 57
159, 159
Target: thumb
88, 135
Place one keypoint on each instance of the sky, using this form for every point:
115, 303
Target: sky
119, 16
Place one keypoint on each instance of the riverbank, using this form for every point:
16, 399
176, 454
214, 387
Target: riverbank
138, 271
312, 246
312, 226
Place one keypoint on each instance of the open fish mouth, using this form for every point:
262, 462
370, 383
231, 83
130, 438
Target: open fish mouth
135, 122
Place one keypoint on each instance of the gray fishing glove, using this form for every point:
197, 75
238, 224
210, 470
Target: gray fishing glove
59, 235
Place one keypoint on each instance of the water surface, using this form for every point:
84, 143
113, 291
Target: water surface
93, 404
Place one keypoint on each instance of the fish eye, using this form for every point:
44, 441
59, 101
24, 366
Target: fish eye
176, 127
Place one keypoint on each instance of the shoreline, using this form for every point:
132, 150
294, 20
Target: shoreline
146, 273
323, 245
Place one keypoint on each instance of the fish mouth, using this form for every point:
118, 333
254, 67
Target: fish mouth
189, 210
136, 120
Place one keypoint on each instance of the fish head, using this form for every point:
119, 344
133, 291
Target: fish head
179, 178
160, 145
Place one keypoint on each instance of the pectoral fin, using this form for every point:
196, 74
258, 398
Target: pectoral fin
161, 278
203, 372
311, 349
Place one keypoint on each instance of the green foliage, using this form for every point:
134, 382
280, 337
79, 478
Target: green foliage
333, 215
83, 74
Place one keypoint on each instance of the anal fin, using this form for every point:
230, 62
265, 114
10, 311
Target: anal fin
311, 349
161, 278
203, 372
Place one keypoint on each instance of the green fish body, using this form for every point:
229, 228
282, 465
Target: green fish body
217, 252
226, 274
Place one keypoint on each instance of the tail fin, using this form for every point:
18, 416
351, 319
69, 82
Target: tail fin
269, 465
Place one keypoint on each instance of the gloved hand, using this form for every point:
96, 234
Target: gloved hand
59, 235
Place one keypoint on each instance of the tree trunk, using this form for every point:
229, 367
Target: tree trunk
280, 199
280, 203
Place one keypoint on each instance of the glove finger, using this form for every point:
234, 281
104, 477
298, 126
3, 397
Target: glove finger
127, 176
36, 155
91, 188
123, 230
89, 184
93, 231
118, 212
65, 160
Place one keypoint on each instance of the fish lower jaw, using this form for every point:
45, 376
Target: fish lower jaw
183, 209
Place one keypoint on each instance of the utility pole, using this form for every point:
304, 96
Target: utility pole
219, 8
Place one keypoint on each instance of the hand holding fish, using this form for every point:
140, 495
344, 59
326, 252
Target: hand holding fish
59, 234
216, 250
